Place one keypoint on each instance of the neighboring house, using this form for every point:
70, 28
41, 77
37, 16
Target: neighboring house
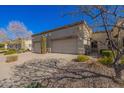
17, 44
73, 39
3, 45
100, 41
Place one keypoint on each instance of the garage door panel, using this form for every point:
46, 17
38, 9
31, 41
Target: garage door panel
64, 46
37, 47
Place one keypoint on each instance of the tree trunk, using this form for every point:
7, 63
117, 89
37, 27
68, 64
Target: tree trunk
117, 66
118, 73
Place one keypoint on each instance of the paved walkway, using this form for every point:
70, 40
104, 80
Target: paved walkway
6, 68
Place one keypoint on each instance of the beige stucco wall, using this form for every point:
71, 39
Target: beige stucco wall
100, 37
84, 35
70, 31
79, 33
121, 36
36, 43
36, 38
27, 44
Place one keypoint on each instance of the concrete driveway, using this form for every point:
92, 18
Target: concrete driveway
6, 68
2, 58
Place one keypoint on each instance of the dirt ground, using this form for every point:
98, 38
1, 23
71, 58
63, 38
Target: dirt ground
6, 68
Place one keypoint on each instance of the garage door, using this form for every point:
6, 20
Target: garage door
37, 47
64, 46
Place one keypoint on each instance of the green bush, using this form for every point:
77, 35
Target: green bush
106, 60
101, 50
35, 85
2, 45
11, 58
2, 48
82, 58
22, 50
106, 53
122, 60
10, 51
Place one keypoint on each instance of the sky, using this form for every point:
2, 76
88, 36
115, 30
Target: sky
38, 18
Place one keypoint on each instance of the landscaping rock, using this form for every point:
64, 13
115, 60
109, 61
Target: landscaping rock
61, 73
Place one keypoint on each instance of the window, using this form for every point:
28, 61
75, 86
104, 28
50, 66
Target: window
94, 44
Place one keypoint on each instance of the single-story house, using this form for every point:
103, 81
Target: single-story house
76, 38
72, 39
18, 44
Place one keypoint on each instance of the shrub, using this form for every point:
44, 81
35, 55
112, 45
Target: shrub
101, 50
2, 48
122, 60
11, 58
2, 45
107, 53
10, 51
22, 50
82, 58
106, 60
35, 85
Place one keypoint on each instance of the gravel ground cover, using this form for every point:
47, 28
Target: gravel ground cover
52, 73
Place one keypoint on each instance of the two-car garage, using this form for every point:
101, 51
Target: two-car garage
64, 46
68, 46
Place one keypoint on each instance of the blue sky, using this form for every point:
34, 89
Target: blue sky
38, 18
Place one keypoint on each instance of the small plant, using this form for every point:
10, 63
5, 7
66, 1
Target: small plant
2, 48
10, 51
2, 45
122, 60
107, 53
82, 58
22, 50
35, 85
106, 60
11, 58
101, 50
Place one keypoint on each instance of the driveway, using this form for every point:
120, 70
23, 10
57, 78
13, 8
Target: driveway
6, 68
2, 58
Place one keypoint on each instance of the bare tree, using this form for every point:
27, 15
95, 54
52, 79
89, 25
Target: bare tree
3, 35
107, 18
19, 30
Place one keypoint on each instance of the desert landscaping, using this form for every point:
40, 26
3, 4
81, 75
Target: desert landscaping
45, 70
